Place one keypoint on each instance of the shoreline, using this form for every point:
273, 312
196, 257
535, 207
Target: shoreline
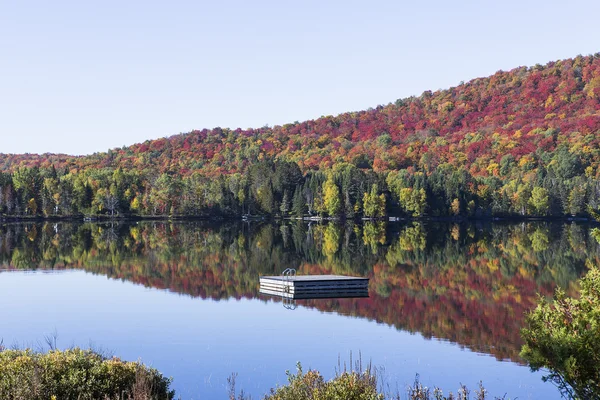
269, 218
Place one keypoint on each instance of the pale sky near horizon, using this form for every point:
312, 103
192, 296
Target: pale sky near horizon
80, 77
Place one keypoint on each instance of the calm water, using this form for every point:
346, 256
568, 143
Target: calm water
446, 300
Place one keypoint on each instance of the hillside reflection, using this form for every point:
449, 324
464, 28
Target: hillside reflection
465, 283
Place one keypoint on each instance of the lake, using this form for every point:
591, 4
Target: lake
446, 300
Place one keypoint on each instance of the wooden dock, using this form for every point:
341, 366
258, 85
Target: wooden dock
314, 286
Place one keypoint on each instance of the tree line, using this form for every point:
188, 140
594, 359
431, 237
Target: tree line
278, 188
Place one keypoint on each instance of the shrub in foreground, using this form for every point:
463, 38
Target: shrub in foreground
311, 386
354, 385
77, 374
86, 375
564, 337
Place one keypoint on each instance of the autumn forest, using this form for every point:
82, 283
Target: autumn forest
520, 143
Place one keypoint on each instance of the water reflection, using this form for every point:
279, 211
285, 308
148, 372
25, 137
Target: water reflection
465, 283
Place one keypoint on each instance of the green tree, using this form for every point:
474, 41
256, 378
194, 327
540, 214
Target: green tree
521, 198
374, 235
384, 140
507, 164
596, 234
373, 203
566, 164
298, 203
539, 200
596, 231
159, 195
564, 337
331, 197
50, 196
238, 186
331, 240
413, 201
539, 240
576, 201
83, 194
28, 183
348, 206
285, 204
261, 185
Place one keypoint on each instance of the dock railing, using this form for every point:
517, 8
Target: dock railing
287, 274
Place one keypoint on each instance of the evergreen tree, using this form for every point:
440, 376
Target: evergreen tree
285, 204
348, 206
298, 203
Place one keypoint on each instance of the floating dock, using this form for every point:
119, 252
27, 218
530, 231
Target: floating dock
293, 286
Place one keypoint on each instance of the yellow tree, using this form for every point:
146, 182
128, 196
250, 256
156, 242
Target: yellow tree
413, 201
331, 240
373, 204
331, 197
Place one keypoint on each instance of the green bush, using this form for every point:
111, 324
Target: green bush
355, 385
564, 337
311, 386
86, 375
77, 374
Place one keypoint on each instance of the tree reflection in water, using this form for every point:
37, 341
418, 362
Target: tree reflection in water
467, 283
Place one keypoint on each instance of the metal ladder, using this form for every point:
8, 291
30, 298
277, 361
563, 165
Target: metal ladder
287, 274
289, 304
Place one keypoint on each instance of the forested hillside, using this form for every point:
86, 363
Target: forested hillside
522, 142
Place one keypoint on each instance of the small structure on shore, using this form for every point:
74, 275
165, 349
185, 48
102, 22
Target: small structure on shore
291, 286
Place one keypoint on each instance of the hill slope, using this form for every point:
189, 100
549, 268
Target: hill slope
526, 141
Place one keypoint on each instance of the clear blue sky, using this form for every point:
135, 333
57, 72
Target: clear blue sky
79, 77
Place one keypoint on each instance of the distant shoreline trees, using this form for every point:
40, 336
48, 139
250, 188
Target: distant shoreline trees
279, 189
